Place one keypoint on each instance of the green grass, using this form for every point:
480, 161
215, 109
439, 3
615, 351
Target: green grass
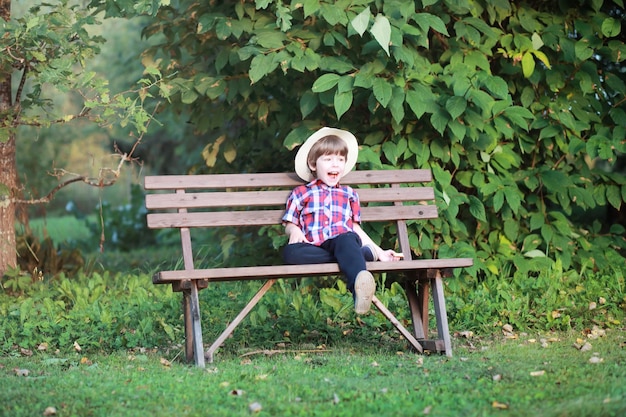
60, 228
495, 377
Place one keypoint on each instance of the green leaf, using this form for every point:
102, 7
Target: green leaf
555, 180
393, 151
513, 198
613, 196
325, 83
382, 91
260, 66
459, 130
308, 103
582, 50
497, 87
381, 30
440, 120
536, 221
427, 21
535, 253
477, 209
543, 58
188, 96
611, 27
528, 64
456, 106
335, 64
342, 102
537, 41
396, 105
310, 7
518, 115
362, 21
271, 39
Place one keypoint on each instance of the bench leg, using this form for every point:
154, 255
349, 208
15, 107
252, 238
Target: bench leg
417, 307
408, 336
440, 312
418, 295
193, 329
242, 315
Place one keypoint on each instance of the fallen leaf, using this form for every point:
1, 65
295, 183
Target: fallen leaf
165, 362
77, 347
497, 377
427, 410
21, 372
595, 359
85, 361
255, 407
499, 406
26, 352
50, 411
593, 305
42, 346
336, 399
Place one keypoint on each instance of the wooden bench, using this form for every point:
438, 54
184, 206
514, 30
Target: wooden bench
200, 201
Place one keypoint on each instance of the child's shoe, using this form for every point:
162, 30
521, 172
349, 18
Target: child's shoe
364, 288
369, 253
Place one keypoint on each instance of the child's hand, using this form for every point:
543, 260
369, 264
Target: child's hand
297, 236
389, 255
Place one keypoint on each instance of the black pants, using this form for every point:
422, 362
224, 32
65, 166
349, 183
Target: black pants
344, 249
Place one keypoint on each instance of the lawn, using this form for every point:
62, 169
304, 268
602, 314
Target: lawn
61, 228
566, 374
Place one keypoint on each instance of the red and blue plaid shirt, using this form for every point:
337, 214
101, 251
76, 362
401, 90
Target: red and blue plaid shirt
323, 212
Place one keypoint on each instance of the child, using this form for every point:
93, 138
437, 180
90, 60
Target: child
322, 218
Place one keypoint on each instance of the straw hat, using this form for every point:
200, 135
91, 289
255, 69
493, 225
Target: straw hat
301, 165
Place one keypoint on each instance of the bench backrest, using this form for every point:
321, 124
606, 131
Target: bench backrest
190, 201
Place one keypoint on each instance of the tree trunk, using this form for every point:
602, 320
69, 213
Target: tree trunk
8, 167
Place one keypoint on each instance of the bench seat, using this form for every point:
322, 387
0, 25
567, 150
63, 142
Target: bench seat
298, 271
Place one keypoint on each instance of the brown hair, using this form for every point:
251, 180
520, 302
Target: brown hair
328, 145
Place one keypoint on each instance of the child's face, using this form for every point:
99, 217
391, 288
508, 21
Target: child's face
329, 168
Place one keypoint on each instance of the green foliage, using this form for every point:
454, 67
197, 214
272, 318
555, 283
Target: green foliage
124, 227
106, 311
98, 312
518, 109
50, 46
541, 295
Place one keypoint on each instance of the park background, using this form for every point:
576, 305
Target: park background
516, 107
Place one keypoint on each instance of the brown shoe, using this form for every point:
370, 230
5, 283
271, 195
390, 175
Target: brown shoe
364, 288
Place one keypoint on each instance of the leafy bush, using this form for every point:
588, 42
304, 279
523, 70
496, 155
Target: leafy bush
542, 296
104, 311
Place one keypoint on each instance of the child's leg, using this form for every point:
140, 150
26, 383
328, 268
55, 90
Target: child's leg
305, 253
347, 250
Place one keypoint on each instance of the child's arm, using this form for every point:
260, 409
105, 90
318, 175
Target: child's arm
383, 255
296, 235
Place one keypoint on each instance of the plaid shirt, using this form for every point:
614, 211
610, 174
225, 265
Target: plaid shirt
323, 212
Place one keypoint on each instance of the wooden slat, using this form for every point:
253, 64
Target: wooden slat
268, 217
274, 198
287, 179
291, 271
